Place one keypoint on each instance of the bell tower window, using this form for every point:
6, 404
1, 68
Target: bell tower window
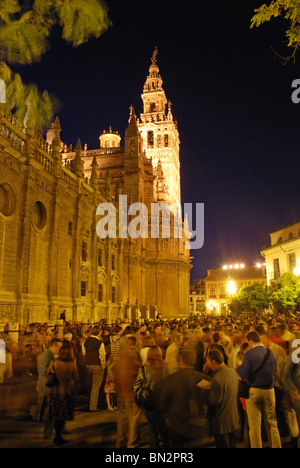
150, 139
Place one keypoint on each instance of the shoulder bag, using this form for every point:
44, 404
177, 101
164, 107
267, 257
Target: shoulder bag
244, 387
143, 393
52, 380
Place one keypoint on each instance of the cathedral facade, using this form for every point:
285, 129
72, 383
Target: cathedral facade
51, 257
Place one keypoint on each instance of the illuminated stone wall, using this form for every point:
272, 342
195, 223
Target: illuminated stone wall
51, 259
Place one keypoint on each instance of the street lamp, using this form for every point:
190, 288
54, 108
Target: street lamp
297, 270
231, 288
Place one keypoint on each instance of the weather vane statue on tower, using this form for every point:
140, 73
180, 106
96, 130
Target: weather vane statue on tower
153, 59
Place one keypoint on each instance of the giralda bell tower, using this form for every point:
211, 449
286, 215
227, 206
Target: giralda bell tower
159, 133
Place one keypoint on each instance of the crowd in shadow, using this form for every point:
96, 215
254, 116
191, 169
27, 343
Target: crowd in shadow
192, 368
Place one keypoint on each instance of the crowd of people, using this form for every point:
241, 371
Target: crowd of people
195, 369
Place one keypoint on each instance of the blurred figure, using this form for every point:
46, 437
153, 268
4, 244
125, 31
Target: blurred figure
147, 343
140, 336
42, 405
61, 405
81, 367
175, 396
290, 380
68, 337
159, 338
6, 373
110, 384
154, 369
296, 329
129, 414
225, 342
173, 352
266, 338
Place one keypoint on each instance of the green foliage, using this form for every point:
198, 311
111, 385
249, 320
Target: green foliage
81, 20
290, 10
201, 308
31, 108
254, 298
286, 293
235, 306
25, 27
24, 30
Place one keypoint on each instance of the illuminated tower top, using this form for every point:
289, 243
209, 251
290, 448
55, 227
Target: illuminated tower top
159, 131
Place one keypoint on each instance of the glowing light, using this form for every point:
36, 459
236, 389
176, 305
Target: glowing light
236, 266
231, 287
297, 271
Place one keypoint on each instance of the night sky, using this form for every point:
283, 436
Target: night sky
239, 129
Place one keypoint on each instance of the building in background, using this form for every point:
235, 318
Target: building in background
225, 282
51, 259
283, 255
197, 297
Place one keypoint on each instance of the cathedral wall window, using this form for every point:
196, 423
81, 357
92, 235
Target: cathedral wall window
113, 294
39, 217
100, 258
7, 200
83, 288
83, 251
100, 292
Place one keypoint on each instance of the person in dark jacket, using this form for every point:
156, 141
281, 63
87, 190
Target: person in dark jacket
290, 381
262, 394
223, 397
95, 358
177, 393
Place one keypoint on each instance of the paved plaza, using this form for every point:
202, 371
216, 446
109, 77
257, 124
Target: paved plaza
88, 430
18, 429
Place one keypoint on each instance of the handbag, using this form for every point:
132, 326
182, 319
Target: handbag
244, 387
52, 380
143, 393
